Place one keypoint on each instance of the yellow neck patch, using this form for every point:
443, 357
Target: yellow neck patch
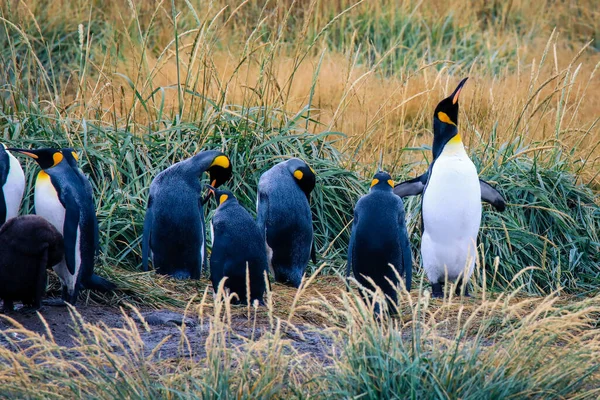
57, 157
223, 198
220, 161
456, 139
442, 116
298, 174
390, 182
75, 156
42, 176
374, 182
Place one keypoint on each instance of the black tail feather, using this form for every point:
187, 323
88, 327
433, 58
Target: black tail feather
100, 284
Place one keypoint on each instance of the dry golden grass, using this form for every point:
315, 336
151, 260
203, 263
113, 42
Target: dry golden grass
545, 104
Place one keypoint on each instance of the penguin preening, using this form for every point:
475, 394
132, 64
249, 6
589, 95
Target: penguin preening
285, 219
174, 230
238, 249
63, 197
28, 246
379, 248
451, 202
12, 185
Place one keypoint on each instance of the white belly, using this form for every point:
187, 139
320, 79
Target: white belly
13, 188
48, 205
451, 217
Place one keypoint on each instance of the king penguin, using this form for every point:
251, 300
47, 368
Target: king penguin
62, 198
451, 202
12, 183
174, 230
29, 245
237, 245
379, 247
285, 219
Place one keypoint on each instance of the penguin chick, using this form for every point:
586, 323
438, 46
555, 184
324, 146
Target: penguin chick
379, 248
285, 219
238, 250
28, 246
174, 225
12, 185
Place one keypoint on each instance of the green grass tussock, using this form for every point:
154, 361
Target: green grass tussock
537, 350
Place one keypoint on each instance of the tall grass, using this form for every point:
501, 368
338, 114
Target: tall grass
500, 347
138, 86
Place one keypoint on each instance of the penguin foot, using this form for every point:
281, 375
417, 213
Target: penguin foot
8, 307
457, 291
436, 290
29, 310
54, 302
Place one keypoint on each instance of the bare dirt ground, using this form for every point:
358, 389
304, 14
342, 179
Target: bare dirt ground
161, 323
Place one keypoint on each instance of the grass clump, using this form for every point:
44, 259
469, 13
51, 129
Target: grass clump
467, 352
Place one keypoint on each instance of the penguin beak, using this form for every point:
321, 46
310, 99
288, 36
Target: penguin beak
211, 192
29, 153
454, 96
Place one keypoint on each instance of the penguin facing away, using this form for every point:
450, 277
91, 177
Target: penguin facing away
285, 220
379, 248
174, 231
12, 185
28, 246
238, 248
451, 202
62, 198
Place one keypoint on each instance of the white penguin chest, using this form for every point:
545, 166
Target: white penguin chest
452, 200
14, 187
47, 203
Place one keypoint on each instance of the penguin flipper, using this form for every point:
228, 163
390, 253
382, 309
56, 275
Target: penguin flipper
70, 227
146, 235
3, 210
405, 247
262, 211
313, 252
412, 187
492, 196
3, 178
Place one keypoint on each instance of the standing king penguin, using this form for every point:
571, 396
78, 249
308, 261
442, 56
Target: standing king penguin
451, 202
379, 247
12, 183
237, 245
64, 199
174, 230
285, 219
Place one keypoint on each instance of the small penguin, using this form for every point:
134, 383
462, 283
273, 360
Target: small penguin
65, 201
285, 219
379, 240
451, 202
237, 245
12, 183
174, 226
28, 246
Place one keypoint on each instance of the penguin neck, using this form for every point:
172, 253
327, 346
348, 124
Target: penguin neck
454, 147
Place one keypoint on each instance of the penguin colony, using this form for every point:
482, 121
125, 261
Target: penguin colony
64, 235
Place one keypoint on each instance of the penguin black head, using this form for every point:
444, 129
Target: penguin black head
382, 181
303, 174
71, 156
220, 170
46, 158
445, 120
221, 195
